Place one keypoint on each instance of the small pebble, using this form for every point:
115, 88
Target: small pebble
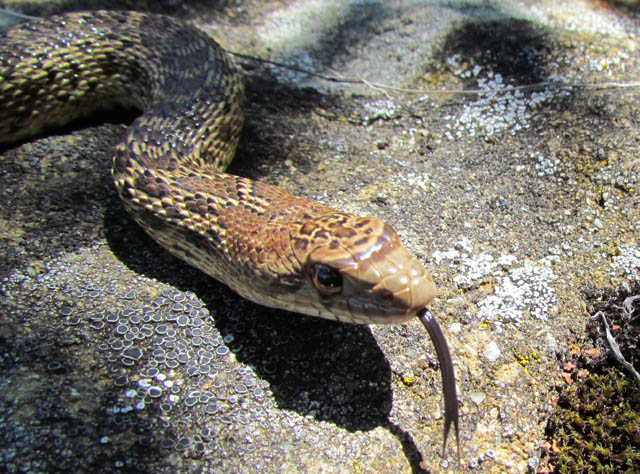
492, 351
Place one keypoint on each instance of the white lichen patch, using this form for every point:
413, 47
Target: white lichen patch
524, 291
499, 108
519, 291
627, 263
609, 65
382, 109
545, 166
414, 180
471, 269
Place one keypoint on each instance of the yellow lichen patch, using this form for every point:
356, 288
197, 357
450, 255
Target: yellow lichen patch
409, 380
528, 361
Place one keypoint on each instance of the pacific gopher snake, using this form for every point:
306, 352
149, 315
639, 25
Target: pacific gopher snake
268, 246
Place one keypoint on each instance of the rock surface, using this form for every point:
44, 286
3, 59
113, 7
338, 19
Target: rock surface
500, 139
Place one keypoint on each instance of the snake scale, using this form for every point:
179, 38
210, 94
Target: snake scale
268, 246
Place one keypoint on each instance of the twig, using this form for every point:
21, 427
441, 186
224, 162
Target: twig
627, 305
615, 348
378, 86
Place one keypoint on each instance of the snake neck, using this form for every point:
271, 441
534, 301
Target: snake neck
245, 231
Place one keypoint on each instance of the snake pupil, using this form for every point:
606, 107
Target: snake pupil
327, 280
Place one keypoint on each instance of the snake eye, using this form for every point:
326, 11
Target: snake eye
327, 280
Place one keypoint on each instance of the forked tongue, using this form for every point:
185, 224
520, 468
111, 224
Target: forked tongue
448, 376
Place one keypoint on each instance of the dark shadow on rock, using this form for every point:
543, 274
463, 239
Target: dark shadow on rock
335, 372
55, 408
516, 49
360, 22
411, 451
627, 8
271, 119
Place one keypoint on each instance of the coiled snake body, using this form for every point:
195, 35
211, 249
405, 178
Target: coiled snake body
270, 247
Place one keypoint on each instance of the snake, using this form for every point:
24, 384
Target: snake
268, 246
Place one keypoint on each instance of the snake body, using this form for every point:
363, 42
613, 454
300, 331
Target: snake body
268, 246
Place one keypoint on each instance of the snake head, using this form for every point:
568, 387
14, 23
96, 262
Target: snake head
357, 270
